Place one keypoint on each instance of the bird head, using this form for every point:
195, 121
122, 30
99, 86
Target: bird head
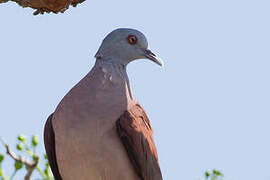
125, 45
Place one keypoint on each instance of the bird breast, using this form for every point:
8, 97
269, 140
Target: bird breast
84, 125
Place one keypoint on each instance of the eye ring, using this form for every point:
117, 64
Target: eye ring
132, 39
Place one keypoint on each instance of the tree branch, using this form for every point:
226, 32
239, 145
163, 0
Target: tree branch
30, 165
48, 6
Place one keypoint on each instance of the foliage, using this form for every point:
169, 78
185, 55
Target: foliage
213, 175
28, 160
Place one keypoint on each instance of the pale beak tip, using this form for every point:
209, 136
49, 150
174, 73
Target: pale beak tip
153, 57
160, 62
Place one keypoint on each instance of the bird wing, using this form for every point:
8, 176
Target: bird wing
136, 133
49, 141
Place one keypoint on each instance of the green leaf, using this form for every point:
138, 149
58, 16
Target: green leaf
47, 172
1, 158
45, 156
18, 165
218, 173
22, 138
207, 173
35, 140
35, 157
19, 147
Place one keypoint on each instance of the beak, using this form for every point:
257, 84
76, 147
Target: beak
151, 56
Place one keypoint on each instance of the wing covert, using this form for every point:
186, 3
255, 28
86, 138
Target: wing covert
49, 141
136, 134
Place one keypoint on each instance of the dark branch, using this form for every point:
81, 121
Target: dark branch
47, 6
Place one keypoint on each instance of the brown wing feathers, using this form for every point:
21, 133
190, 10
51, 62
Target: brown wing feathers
49, 142
136, 134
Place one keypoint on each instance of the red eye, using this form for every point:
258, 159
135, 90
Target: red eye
132, 39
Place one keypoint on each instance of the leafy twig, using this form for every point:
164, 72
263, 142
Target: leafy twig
30, 165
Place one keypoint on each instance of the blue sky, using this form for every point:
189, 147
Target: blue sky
209, 105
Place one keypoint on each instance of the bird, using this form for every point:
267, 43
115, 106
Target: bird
99, 131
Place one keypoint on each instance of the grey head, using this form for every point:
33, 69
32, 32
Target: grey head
125, 45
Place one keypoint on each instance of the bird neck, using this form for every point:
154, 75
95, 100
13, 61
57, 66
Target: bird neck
115, 72
117, 60
109, 61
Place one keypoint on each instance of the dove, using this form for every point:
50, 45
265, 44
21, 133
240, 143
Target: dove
99, 131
